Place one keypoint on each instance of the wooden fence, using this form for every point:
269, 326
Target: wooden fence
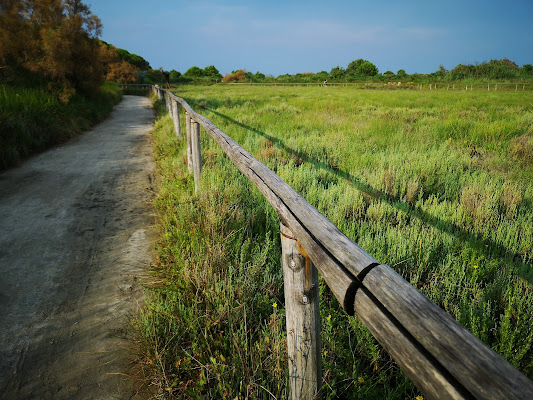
441, 357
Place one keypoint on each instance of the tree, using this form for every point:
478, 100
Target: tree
235, 76
195, 72
260, 76
53, 39
337, 72
366, 69
401, 73
352, 67
527, 69
122, 72
212, 73
174, 76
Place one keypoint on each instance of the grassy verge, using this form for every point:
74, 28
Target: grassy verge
32, 120
437, 185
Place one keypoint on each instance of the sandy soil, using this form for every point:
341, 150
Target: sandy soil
75, 240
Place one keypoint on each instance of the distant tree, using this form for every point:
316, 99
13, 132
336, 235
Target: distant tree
352, 67
174, 76
212, 73
134, 59
139, 62
235, 76
195, 72
463, 71
337, 73
259, 76
322, 76
388, 73
441, 72
401, 73
527, 69
366, 69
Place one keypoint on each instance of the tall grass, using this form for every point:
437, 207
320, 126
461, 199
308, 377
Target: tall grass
34, 119
437, 185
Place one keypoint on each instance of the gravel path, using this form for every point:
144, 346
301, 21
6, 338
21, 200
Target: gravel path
75, 240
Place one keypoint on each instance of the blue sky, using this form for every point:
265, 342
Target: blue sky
278, 37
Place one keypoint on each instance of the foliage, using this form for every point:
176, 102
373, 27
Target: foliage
122, 72
195, 72
366, 69
354, 65
174, 76
54, 39
337, 72
212, 73
208, 74
33, 119
236, 76
455, 220
134, 59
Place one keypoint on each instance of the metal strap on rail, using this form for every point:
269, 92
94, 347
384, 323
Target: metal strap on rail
441, 357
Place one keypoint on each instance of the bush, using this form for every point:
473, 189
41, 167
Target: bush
367, 69
237, 76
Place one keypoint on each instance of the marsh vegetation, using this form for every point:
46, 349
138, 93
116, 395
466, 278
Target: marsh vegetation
435, 184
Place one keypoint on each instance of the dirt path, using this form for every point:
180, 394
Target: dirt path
75, 239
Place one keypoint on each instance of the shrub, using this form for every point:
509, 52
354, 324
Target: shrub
367, 69
237, 76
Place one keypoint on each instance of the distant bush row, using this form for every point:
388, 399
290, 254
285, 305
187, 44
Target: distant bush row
363, 70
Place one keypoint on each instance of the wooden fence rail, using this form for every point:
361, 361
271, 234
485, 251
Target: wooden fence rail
441, 357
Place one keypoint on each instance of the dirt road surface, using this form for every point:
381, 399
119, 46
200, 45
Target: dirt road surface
75, 241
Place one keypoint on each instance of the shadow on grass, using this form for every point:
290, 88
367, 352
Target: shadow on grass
486, 246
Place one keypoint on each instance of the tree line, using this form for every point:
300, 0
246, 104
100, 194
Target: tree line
361, 70
55, 43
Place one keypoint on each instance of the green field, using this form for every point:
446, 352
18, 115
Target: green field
436, 184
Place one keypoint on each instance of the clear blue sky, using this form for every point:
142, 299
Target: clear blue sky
291, 36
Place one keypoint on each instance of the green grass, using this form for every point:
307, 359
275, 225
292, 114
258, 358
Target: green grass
435, 184
32, 120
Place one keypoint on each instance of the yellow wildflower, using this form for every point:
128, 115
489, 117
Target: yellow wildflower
275, 305
419, 398
329, 317
361, 379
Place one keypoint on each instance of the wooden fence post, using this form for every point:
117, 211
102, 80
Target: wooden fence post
303, 318
168, 104
176, 117
196, 154
189, 143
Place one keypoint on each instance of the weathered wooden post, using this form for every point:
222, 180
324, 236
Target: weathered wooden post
176, 117
168, 104
189, 144
196, 154
303, 318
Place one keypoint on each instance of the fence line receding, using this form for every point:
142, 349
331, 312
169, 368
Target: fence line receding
442, 358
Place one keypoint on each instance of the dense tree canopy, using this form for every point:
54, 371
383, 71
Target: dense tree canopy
53, 39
